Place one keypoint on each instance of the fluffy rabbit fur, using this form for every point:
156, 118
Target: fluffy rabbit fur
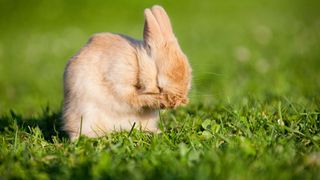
115, 81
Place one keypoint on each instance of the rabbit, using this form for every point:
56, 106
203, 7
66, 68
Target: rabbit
115, 81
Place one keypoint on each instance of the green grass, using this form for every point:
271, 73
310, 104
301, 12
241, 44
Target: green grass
255, 102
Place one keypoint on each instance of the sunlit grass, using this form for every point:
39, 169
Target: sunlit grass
274, 139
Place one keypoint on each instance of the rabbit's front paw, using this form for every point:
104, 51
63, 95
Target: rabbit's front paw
172, 101
165, 102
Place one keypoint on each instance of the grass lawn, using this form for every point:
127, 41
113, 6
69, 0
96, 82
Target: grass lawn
254, 109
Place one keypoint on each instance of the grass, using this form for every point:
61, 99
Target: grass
255, 104
268, 140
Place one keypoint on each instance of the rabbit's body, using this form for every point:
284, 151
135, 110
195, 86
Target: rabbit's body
116, 81
100, 88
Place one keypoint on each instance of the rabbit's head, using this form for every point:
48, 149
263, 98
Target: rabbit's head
174, 71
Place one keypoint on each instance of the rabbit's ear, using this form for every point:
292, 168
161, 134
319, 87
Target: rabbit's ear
163, 21
152, 32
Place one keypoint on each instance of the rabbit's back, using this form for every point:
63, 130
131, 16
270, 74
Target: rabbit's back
96, 68
94, 81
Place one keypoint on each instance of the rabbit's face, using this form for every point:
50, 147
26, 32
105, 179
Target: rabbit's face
174, 74
174, 71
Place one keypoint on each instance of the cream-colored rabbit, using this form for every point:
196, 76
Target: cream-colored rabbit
115, 81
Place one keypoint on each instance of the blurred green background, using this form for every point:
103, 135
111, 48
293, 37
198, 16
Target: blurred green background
236, 48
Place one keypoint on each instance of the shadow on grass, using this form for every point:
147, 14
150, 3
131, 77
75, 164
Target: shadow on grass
49, 122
